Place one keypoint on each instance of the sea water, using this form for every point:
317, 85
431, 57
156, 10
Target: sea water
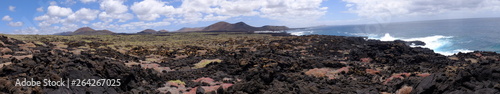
446, 37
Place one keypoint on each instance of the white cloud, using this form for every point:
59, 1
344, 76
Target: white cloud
110, 17
40, 9
131, 27
87, 1
43, 17
211, 17
141, 25
211, 10
384, 8
104, 25
68, 27
113, 14
6, 18
84, 15
29, 30
68, 2
113, 6
58, 15
114, 9
58, 11
150, 9
47, 30
47, 20
53, 3
296, 11
12, 8
16, 24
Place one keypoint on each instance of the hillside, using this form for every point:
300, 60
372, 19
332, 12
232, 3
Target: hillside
194, 29
87, 31
63, 33
236, 27
148, 31
224, 26
163, 31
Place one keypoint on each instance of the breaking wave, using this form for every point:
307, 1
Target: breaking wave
438, 43
300, 32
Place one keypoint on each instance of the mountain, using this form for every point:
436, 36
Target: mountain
163, 31
64, 33
83, 30
148, 31
274, 28
90, 31
194, 29
236, 27
224, 26
101, 32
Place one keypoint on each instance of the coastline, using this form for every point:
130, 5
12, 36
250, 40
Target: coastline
243, 63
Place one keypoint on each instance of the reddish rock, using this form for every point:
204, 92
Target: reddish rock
318, 72
343, 69
423, 74
478, 54
23, 56
149, 66
326, 72
366, 60
5, 64
210, 88
192, 91
394, 76
372, 71
406, 74
404, 90
6, 50
226, 85
6, 56
207, 80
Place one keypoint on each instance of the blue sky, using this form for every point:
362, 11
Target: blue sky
128, 16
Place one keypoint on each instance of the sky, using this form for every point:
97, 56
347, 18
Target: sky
130, 16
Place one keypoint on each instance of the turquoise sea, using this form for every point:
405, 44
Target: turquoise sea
443, 36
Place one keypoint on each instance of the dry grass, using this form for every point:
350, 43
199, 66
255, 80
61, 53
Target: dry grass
177, 82
205, 62
172, 40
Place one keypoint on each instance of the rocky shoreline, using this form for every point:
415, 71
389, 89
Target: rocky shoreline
243, 65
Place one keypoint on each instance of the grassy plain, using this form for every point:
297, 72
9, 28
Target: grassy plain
171, 40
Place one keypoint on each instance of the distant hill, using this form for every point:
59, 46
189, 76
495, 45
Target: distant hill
216, 27
163, 31
224, 26
64, 33
87, 31
186, 29
274, 28
236, 27
148, 31
83, 30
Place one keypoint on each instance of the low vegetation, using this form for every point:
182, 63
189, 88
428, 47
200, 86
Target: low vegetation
171, 40
205, 62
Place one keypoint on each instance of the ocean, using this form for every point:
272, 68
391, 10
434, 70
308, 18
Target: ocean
446, 37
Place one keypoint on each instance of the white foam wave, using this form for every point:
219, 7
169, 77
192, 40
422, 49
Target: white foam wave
436, 43
300, 33
362, 34
463, 50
